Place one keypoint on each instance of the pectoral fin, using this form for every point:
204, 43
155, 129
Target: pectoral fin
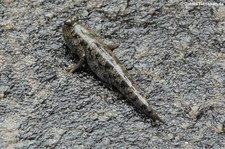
110, 44
72, 68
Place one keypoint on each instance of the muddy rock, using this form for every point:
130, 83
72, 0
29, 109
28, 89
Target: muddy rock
174, 50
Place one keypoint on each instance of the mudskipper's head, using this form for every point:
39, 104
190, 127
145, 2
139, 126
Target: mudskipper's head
68, 31
71, 21
68, 24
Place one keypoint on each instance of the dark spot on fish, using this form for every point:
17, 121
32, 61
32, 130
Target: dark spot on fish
113, 72
129, 91
144, 107
106, 75
133, 97
81, 31
83, 43
98, 57
74, 35
108, 65
123, 83
97, 44
91, 53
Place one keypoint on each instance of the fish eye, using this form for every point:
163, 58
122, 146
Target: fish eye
74, 19
71, 20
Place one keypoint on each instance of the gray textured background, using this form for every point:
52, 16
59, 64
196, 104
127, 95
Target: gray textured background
175, 51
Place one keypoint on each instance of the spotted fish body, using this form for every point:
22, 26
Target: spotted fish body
102, 61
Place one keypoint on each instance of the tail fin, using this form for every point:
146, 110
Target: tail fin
155, 117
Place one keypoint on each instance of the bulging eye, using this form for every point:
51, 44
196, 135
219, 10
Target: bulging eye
68, 22
74, 19
71, 20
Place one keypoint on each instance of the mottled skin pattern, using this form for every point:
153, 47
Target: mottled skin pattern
97, 53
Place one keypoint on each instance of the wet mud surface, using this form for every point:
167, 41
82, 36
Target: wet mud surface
174, 51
